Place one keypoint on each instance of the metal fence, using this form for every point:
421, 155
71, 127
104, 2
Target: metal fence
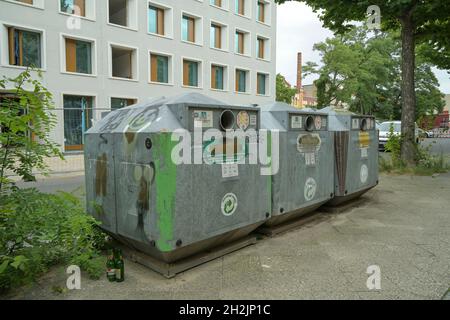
74, 122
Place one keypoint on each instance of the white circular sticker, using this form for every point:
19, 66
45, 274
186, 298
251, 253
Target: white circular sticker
243, 120
364, 175
229, 204
310, 189
318, 122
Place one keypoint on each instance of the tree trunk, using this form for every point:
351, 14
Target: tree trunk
408, 91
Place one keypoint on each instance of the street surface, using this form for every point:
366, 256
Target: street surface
403, 227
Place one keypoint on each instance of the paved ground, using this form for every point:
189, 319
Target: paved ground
73, 182
403, 227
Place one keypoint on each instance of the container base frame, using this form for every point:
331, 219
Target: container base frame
291, 225
170, 270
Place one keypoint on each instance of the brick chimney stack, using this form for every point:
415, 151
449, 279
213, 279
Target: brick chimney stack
299, 72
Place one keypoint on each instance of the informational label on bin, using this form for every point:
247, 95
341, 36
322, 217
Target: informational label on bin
318, 122
364, 153
229, 204
203, 118
243, 120
230, 170
310, 159
364, 140
310, 189
309, 143
296, 122
364, 175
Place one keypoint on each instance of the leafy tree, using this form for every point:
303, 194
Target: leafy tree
362, 72
25, 121
420, 22
284, 92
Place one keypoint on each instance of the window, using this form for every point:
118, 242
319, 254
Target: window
156, 20
159, 68
78, 56
24, 48
123, 13
216, 36
192, 28
124, 62
81, 8
240, 7
240, 42
223, 4
26, 1
76, 7
261, 84
160, 20
188, 29
241, 81
119, 103
78, 112
263, 48
261, 11
217, 77
190, 73
30, 3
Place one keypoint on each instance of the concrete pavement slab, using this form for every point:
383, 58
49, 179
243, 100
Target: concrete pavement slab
403, 227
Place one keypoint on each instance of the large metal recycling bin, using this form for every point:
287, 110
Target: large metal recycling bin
356, 154
166, 210
304, 179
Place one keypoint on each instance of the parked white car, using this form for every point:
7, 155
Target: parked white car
385, 128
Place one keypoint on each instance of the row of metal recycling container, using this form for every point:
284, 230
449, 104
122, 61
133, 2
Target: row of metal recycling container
168, 177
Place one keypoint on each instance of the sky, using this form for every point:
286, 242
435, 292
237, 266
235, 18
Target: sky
299, 29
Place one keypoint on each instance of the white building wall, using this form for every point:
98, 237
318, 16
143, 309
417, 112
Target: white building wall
100, 85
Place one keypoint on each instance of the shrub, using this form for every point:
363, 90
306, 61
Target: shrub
40, 230
385, 165
394, 146
427, 164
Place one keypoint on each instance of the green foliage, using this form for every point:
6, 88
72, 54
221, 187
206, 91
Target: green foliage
430, 164
427, 164
420, 22
363, 72
384, 164
25, 121
284, 92
394, 145
40, 230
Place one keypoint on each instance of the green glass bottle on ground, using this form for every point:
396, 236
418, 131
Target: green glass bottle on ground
119, 265
111, 268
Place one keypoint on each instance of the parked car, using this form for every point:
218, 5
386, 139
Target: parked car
423, 134
377, 125
385, 128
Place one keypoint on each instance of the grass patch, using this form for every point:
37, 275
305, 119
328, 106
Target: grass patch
40, 230
427, 166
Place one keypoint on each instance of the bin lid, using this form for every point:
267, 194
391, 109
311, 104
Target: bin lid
341, 119
284, 107
154, 115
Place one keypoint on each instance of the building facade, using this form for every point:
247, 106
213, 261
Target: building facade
98, 55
